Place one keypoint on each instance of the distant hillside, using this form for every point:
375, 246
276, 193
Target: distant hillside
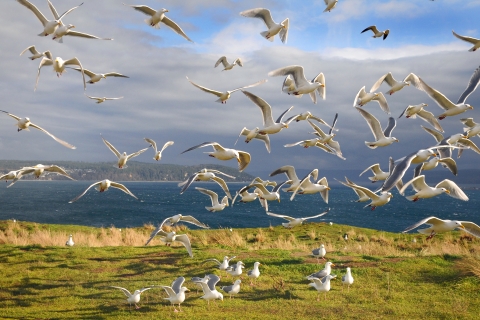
136, 171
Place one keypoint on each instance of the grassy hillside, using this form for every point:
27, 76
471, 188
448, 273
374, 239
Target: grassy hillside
395, 277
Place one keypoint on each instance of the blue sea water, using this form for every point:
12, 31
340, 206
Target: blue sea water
47, 202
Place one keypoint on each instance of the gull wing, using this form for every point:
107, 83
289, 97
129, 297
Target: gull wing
280, 216
75, 61
12, 115
222, 60
373, 28
418, 183
397, 172
192, 220
213, 195
303, 183
220, 172
183, 238
212, 260
63, 143
335, 146
157, 231
125, 291
467, 39
152, 143
369, 193
374, 167
224, 186
59, 170
405, 110
295, 71
468, 122
453, 188
265, 138
280, 118
472, 85
320, 120
450, 164
53, 10
35, 11
250, 85
318, 215
382, 101
239, 62
388, 78
65, 13
430, 118
439, 98
359, 95
468, 143
81, 195
115, 74
288, 170
260, 13
130, 156
177, 284
284, 31
201, 145
471, 228
217, 93
87, 72
293, 144
32, 49
171, 293
264, 107
212, 282
437, 135
278, 186
333, 124
413, 79
143, 9
44, 62
245, 159
175, 27
111, 147
317, 129
416, 172
390, 127
373, 123
122, 187
430, 220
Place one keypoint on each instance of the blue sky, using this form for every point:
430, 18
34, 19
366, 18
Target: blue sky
159, 103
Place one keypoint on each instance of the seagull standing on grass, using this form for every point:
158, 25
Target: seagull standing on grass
232, 289
347, 279
254, 273
132, 298
321, 285
324, 272
208, 287
236, 269
70, 242
319, 252
176, 293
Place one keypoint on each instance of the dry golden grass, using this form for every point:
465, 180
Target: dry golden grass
225, 237
470, 265
312, 234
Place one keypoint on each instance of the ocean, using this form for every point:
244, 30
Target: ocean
47, 202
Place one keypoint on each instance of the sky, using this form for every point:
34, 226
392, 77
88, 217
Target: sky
159, 102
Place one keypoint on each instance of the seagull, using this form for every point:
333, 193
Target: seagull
448, 163
216, 206
224, 96
253, 134
445, 144
424, 191
103, 99
266, 183
24, 124
307, 187
66, 30
319, 252
308, 115
176, 293
236, 269
382, 138
221, 265
169, 237
330, 5
59, 67
132, 298
124, 157
159, 16
378, 174
49, 26
170, 221
208, 287
10, 175
221, 153
302, 85
228, 66
269, 126
36, 54
324, 272
70, 242
472, 128
321, 285
438, 225
103, 186
233, 289
207, 175
95, 77
377, 33
38, 170
293, 222
245, 195
264, 194
254, 273
198, 280
394, 84
362, 197
289, 171
273, 28
377, 200
158, 154
347, 278
317, 142
452, 109
474, 41
362, 98
328, 141
417, 110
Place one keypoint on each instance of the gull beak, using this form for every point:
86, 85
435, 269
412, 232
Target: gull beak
396, 140
166, 11
73, 27
446, 191
376, 94
426, 105
323, 85
328, 188
286, 126
332, 265
470, 107
461, 226
278, 199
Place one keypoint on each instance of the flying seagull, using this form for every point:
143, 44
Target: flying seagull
226, 65
273, 28
221, 153
382, 138
438, 225
377, 33
122, 157
293, 222
103, 186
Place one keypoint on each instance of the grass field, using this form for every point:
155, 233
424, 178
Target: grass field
41, 278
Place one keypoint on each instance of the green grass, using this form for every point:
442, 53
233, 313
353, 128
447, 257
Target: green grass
394, 277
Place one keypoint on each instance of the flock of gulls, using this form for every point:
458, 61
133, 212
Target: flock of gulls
295, 84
